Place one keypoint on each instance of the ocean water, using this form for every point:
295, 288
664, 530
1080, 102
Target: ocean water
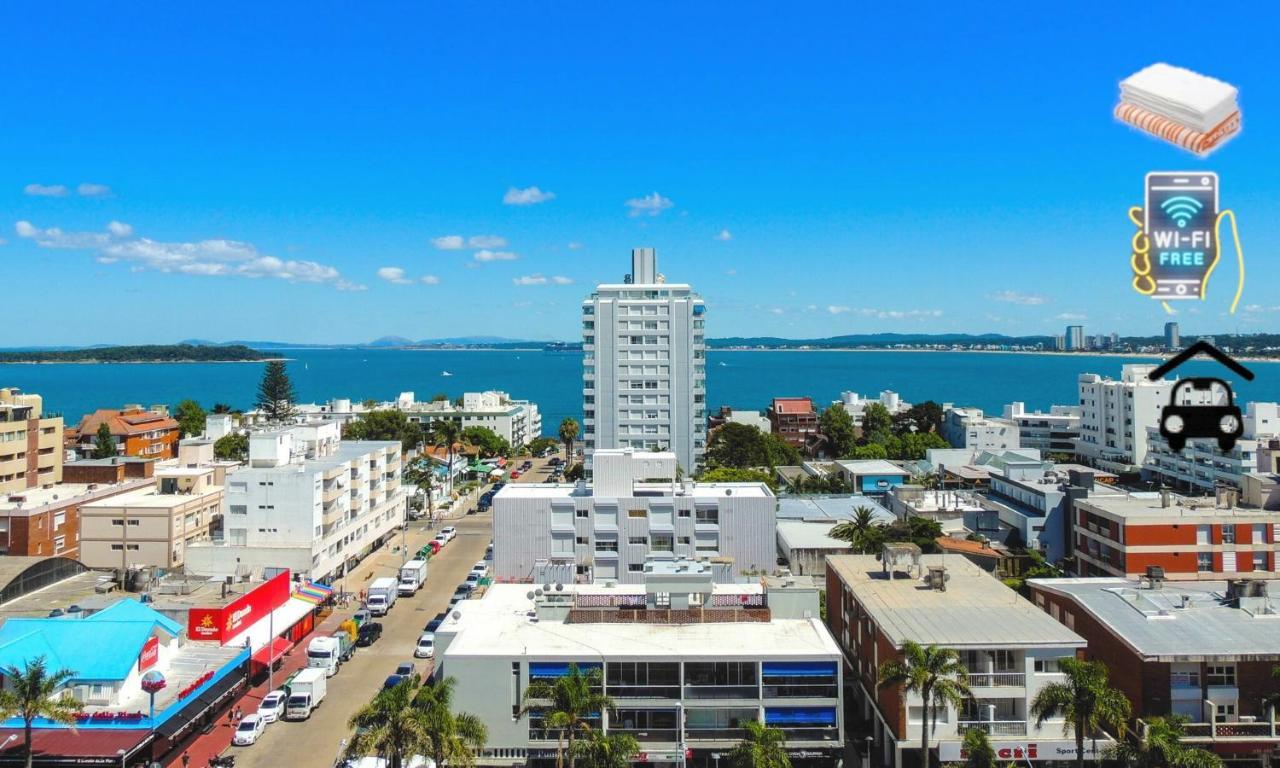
740, 379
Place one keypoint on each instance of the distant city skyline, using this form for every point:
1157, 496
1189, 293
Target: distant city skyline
335, 176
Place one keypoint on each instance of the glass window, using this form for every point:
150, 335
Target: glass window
1228, 534
1220, 674
662, 542
637, 513
1204, 561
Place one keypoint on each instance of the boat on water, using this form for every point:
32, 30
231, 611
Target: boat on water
445, 373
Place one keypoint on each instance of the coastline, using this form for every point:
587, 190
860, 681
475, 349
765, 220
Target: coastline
145, 362
1139, 355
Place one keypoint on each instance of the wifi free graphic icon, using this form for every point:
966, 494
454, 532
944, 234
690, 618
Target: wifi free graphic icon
1181, 209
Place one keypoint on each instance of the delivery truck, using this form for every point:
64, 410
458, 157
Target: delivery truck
325, 653
306, 691
413, 575
382, 595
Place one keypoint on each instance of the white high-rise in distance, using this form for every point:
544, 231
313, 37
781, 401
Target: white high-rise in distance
644, 376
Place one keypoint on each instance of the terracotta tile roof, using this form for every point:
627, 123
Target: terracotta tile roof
949, 544
125, 422
792, 405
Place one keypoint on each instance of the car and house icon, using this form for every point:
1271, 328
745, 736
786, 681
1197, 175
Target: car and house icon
1211, 419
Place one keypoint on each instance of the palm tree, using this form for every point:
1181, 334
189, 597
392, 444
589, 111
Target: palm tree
455, 737
935, 674
390, 727
857, 530
978, 751
447, 434
1160, 746
423, 475
568, 433
32, 692
611, 750
764, 747
1085, 700
566, 706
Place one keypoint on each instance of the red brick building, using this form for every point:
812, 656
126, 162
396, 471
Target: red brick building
794, 419
116, 469
1203, 650
40, 522
1189, 538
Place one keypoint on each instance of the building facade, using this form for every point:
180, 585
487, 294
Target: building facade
855, 404
1201, 466
644, 375
794, 419
1172, 338
635, 510
46, 521
1201, 651
516, 421
307, 501
1073, 338
969, 428
150, 433
1115, 415
1190, 539
1052, 432
30, 443
688, 662
1011, 649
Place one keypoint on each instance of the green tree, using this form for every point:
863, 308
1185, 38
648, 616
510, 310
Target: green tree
936, 674
744, 447
978, 751
925, 417
190, 418
539, 444
736, 475
455, 737
763, 747
275, 392
385, 424
859, 531
104, 444
869, 451
33, 691
390, 726
1085, 700
1272, 699
601, 750
447, 434
877, 424
421, 474
566, 705
1060, 457
1160, 746
836, 423
568, 433
489, 443
221, 408
913, 446
233, 446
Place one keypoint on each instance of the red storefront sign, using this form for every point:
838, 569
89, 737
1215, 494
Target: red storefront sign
150, 654
224, 623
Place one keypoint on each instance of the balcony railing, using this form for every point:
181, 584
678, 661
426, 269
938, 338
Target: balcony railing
1236, 730
996, 679
811, 691
714, 734
721, 691
668, 616
995, 727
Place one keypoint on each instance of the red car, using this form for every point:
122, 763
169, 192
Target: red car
515, 474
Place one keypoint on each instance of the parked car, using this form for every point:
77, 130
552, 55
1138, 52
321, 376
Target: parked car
473, 579
481, 567
248, 731
368, 634
515, 474
435, 623
272, 707
441, 540
450, 531
426, 647
361, 617
498, 486
406, 669
392, 681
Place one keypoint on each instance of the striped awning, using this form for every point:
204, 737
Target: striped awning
313, 593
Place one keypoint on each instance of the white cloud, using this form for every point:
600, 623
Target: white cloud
527, 196
575, 246
724, 235
206, 258
1259, 308
836, 309
393, 275
3, 241
530, 280
1071, 316
486, 241
1017, 297
777, 310
731, 272
429, 280
562, 280
885, 314
93, 190
649, 205
45, 190
488, 255
449, 242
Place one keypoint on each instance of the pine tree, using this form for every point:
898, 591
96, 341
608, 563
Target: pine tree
275, 393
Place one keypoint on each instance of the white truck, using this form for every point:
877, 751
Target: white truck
413, 575
325, 653
306, 691
382, 595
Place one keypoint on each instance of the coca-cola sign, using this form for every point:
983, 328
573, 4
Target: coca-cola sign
150, 654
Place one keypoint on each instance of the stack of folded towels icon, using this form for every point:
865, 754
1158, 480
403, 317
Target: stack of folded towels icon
1182, 107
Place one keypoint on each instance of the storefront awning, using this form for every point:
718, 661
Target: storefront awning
261, 631
211, 698
269, 653
62, 746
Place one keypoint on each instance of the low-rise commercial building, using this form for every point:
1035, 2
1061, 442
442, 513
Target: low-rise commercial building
729, 415
874, 476
116, 469
30, 443
634, 510
1011, 649
1052, 432
969, 428
688, 661
46, 521
150, 433
1036, 502
1190, 539
794, 419
1204, 651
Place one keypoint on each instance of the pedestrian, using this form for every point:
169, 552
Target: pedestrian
186, 759
239, 713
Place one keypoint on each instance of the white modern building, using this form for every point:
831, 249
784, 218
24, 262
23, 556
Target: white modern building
644, 377
1115, 415
969, 428
307, 501
1201, 467
855, 404
688, 662
875, 604
1052, 432
635, 510
1074, 338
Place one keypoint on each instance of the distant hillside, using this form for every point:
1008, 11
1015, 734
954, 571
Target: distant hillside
152, 353
881, 340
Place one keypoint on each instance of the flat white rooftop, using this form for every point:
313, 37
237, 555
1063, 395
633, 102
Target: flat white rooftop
1148, 505
975, 611
498, 624
872, 467
699, 491
805, 534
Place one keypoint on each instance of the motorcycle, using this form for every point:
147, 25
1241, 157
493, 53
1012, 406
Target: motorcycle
222, 761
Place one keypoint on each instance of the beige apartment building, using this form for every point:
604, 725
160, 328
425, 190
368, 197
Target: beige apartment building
152, 526
30, 443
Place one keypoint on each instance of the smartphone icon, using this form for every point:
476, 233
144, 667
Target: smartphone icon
1181, 211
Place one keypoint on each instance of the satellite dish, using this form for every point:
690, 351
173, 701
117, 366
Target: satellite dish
538, 592
546, 587
559, 587
728, 491
529, 594
457, 615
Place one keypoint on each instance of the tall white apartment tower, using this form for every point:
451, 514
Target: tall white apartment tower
644, 376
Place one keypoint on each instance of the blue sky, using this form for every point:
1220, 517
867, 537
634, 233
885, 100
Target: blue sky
819, 169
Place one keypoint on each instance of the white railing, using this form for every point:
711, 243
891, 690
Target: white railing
995, 727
